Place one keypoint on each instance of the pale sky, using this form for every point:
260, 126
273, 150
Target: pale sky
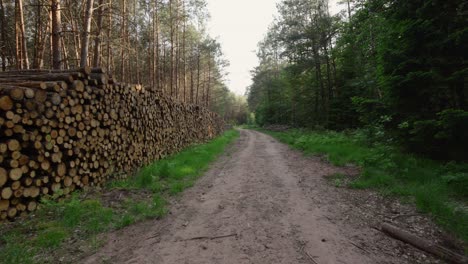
239, 25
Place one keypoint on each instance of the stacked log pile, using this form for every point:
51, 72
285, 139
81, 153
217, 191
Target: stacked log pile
63, 130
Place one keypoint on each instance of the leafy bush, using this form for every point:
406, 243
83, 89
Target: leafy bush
443, 137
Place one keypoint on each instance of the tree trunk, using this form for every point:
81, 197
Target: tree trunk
56, 32
123, 37
192, 83
184, 54
198, 74
97, 39
171, 21
109, 36
23, 61
327, 61
208, 88
37, 37
3, 44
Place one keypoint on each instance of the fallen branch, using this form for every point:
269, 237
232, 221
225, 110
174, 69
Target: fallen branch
424, 244
403, 215
158, 233
358, 246
209, 238
308, 255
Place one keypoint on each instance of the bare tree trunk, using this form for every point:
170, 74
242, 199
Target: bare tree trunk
198, 74
86, 32
3, 44
164, 71
151, 44
136, 45
97, 39
37, 38
156, 73
349, 10
65, 57
192, 84
184, 53
177, 47
123, 40
75, 31
209, 84
171, 21
333, 63
318, 76
56, 32
327, 61
44, 41
109, 35
18, 55
23, 51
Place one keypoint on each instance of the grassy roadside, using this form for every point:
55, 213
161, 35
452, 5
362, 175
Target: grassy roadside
77, 222
440, 189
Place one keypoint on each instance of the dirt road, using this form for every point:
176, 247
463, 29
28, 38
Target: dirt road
263, 203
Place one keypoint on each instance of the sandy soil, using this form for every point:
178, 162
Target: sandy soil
265, 203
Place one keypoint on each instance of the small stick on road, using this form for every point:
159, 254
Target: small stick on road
308, 255
210, 238
358, 246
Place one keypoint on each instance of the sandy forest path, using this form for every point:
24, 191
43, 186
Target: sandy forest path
262, 202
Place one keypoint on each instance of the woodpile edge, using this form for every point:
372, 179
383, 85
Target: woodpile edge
64, 130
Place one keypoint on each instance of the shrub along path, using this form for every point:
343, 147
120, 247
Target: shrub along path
265, 203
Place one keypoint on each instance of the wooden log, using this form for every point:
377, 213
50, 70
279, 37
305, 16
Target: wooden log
18, 192
4, 205
3, 148
101, 78
6, 103
22, 83
16, 93
12, 212
13, 145
55, 98
44, 77
15, 185
424, 244
6, 193
85, 70
32, 205
40, 96
98, 70
3, 176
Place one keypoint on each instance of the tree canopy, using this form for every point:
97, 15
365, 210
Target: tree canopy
395, 68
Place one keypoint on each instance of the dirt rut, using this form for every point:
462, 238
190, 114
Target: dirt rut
260, 203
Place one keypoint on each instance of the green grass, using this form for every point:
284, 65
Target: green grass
338, 180
440, 189
31, 241
180, 171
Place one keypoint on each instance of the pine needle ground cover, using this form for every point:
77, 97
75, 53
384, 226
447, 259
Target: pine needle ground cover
437, 188
76, 223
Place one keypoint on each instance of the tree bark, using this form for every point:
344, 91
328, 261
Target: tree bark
97, 39
23, 51
56, 32
171, 21
123, 37
38, 40
3, 39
